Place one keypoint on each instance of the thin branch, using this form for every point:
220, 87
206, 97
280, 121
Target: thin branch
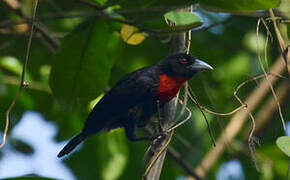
179, 159
156, 153
266, 76
280, 39
223, 114
16, 7
154, 32
195, 101
183, 121
35, 85
251, 140
22, 81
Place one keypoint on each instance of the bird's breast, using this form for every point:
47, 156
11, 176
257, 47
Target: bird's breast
168, 87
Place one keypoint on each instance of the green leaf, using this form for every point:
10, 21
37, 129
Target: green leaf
242, 6
118, 156
11, 64
82, 68
284, 144
14, 66
182, 18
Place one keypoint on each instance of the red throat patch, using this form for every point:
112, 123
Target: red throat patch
168, 87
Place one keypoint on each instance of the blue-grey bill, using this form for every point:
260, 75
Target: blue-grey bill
198, 64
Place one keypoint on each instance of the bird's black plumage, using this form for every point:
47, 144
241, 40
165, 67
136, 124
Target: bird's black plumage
133, 100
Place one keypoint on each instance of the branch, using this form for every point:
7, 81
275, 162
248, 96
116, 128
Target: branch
238, 120
282, 44
22, 81
157, 151
35, 85
184, 164
100, 13
44, 33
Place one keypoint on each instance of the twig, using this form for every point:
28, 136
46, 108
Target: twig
183, 121
280, 39
266, 112
266, 76
220, 122
154, 32
194, 100
179, 159
223, 114
16, 7
184, 104
35, 85
156, 157
251, 140
22, 81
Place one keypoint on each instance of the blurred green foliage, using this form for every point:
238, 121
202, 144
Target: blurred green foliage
92, 58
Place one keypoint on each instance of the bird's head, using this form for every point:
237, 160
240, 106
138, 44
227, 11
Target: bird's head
183, 65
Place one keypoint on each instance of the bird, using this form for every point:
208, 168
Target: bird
136, 97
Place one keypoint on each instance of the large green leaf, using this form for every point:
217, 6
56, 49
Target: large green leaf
284, 144
81, 69
240, 5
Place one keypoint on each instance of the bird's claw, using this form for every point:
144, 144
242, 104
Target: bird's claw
158, 136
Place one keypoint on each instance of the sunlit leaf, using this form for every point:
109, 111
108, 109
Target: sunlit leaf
239, 6
284, 144
118, 157
182, 18
131, 35
95, 101
255, 43
11, 64
14, 66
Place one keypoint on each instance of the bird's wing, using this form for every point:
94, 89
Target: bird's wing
127, 93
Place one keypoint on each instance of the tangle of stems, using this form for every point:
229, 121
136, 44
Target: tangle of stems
22, 81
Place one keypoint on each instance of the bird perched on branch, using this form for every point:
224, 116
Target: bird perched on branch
136, 97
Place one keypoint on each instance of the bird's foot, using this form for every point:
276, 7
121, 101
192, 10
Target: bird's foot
158, 136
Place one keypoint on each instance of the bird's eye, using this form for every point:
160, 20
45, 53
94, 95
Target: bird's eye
183, 61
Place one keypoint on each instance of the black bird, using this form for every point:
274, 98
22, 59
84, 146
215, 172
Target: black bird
133, 100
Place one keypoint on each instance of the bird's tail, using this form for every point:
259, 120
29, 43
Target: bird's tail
71, 144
